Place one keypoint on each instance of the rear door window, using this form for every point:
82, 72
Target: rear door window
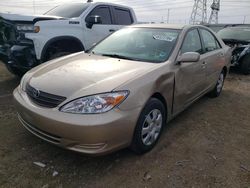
122, 16
210, 43
192, 42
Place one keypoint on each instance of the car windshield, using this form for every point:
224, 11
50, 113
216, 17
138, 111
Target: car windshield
68, 10
235, 33
140, 44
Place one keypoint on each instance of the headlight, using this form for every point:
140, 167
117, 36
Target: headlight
28, 28
96, 103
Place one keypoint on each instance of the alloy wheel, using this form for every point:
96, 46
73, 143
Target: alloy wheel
220, 83
151, 127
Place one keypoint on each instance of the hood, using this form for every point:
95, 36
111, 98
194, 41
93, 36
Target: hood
83, 74
27, 18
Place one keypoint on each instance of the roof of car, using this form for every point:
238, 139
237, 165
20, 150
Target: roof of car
111, 4
100, 3
238, 27
165, 26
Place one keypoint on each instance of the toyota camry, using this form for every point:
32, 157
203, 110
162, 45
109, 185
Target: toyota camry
123, 91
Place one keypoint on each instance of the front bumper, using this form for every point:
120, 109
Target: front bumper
90, 134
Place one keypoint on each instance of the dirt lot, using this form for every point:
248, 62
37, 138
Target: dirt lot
208, 145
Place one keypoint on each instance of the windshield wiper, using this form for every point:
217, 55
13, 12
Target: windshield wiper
120, 56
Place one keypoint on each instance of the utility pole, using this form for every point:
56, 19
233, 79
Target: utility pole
244, 20
215, 11
168, 15
199, 12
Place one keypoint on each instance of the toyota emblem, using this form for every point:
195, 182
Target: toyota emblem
36, 93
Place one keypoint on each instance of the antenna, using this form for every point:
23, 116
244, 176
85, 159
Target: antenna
214, 13
199, 13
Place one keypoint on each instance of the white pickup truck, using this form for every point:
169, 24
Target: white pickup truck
26, 41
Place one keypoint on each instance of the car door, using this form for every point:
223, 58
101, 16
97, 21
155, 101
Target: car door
213, 56
190, 77
99, 31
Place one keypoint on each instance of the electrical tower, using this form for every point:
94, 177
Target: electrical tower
214, 13
199, 13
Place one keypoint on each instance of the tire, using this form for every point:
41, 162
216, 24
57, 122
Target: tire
245, 65
152, 119
218, 87
15, 71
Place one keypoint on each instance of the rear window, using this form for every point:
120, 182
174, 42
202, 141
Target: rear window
68, 10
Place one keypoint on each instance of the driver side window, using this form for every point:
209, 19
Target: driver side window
192, 42
104, 13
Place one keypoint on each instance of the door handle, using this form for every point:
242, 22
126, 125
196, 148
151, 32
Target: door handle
203, 66
112, 30
221, 54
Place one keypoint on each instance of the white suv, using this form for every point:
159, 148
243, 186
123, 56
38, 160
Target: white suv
26, 41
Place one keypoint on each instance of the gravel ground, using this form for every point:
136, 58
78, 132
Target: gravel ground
208, 145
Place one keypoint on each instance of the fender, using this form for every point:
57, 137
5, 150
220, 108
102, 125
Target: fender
46, 46
245, 52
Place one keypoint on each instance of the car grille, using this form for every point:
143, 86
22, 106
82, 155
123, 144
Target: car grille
44, 99
39, 133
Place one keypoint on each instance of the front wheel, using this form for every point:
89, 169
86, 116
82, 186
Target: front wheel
245, 65
149, 126
17, 72
218, 87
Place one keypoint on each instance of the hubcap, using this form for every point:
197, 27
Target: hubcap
220, 83
151, 127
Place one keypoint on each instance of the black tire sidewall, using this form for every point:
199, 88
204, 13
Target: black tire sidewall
137, 144
214, 93
15, 71
245, 65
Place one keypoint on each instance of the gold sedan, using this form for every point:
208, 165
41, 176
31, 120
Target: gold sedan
123, 91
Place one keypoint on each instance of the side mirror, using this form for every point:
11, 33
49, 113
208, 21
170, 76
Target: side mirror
94, 19
188, 57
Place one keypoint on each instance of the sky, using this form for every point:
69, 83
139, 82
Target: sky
179, 11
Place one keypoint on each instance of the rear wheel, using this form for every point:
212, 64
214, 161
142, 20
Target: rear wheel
245, 65
218, 87
149, 126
